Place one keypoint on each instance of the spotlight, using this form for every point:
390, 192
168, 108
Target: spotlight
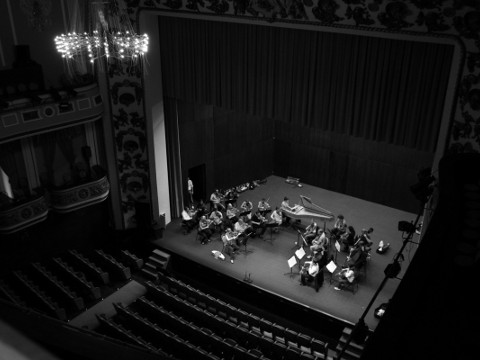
406, 226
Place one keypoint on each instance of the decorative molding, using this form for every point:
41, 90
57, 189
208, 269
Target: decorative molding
24, 215
22, 118
80, 196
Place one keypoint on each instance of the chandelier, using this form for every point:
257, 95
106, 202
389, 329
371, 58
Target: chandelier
110, 35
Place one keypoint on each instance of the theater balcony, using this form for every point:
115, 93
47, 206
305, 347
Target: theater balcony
20, 215
45, 111
80, 196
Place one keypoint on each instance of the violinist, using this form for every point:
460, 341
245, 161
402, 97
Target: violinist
232, 214
217, 217
215, 200
263, 206
258, 221
277, 219
204, 229
246, 207
243, 228
229, 244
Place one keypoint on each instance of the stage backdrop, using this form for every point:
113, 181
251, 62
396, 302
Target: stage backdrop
354, 114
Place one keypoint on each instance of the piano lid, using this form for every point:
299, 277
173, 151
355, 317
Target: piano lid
310, 205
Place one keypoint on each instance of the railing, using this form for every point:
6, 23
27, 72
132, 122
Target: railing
20, 216
77, 197
23, 215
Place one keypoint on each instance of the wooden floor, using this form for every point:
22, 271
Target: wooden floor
267, 263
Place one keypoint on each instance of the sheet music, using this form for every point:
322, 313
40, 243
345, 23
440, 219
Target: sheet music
292, 261
300, 253
331, 266
337, 245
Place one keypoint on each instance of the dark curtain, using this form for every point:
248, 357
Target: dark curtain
368, 87
173, 158
332, 97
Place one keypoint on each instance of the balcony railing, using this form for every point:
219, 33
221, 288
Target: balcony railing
23, 215
77, 197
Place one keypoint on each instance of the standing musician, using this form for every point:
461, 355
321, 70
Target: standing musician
204, 229
229, 243
263, 206
247, 207
258, 221
215, 200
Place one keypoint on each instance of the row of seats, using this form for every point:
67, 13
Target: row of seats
38, 297
78, 279
90, 268
276, 332
117, 331
113, 265
7, 293
57, 287
204, 337
165, 342
131, 259
251, 339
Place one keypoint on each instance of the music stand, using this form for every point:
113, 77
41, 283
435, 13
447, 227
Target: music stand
300, 253
331, 267
245, 241
291, 263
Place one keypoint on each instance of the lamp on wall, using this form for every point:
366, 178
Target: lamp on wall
107, 32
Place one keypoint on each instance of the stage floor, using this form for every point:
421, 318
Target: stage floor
267, 263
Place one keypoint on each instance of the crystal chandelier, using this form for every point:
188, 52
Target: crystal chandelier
110, 35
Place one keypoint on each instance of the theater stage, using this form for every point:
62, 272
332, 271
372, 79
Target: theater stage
267, 263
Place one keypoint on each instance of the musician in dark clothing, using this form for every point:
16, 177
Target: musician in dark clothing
348, 239
258, 221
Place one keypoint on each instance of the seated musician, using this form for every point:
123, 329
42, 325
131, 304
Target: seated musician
347, 240
217, 217
340, 226
229, 244
277, 218
204, 229
215, 200
358, 256
232, 214
320, 243
345, 276
365, 238
286, 206
188, 220
246, 207
263, 206
201, 209
311, 271
311, 232
258, 221
243, 228
231, 196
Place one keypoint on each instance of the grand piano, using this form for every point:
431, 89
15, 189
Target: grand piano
308, 210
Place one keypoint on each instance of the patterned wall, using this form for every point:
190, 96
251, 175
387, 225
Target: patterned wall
454, 17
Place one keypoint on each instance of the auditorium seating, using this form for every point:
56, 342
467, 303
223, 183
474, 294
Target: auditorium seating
261, 328
113, 265
87, 266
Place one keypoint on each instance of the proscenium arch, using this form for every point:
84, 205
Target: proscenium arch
152, 81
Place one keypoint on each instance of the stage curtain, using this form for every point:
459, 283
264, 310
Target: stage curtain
375, 88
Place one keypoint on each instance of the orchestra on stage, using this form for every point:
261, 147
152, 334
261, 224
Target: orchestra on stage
237, 224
